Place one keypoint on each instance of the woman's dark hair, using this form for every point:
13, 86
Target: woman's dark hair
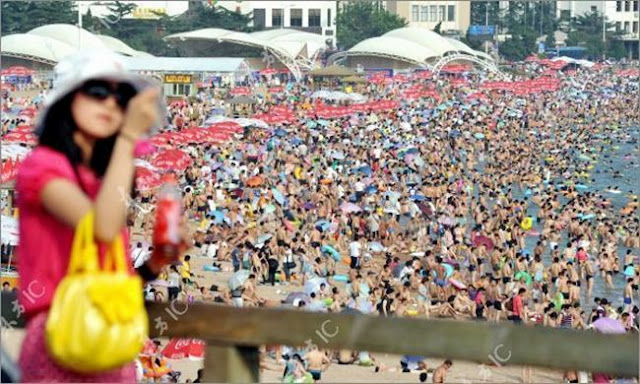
57, 134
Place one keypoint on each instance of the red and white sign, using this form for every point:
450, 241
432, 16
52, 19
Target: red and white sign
184, 349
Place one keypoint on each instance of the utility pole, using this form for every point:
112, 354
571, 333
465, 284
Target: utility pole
604, 33
541, 15
486, 25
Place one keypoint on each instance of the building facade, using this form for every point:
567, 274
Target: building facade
455, 16
623, 14
310, 16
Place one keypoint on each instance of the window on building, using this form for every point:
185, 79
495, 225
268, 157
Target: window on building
565, 14
618, 6
328, 17
259, 18
451, 14
442, 9
433, 13
314, 17
627, 6
618, 26
276, 17
627, 26
415, 13
182, 89
635, 27
635, 6
424, 13
594, 8
296, 17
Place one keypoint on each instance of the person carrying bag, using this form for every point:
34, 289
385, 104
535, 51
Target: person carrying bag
82, 299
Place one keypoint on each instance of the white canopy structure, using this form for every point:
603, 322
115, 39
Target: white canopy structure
48, 44
414, 46
296, 50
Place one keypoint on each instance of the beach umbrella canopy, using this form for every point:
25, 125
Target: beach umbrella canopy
483, 240
350, 208
313, 285
263, 238
184, 349
255, 181
609, 325
147, 179
365, 169
322, 225
172, 159
238, 279
446, 221
296, 297
426, 209
376, 247
278, 196
269, 208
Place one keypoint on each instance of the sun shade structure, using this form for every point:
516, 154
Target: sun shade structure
295, 50
412, 47
49, 44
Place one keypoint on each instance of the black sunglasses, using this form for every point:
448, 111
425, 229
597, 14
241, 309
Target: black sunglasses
101, 90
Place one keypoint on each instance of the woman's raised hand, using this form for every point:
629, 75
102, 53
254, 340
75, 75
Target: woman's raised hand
142, 113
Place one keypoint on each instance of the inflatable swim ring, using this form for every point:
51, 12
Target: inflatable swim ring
588, 216
458, 284
581, 186
341, 278
614, 191
331, 251
210, 268
522, 275
527, 223
629, 271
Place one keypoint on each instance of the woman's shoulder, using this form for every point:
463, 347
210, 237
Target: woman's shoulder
38, 168
41, 157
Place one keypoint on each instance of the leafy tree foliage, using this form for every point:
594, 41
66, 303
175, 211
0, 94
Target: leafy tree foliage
360, 20
22, 16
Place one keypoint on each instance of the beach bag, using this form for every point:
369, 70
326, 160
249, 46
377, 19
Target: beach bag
509, 304
97, 320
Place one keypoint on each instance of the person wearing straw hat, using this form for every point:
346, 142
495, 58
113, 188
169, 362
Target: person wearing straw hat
88, 129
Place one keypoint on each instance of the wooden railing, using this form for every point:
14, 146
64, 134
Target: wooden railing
233, 336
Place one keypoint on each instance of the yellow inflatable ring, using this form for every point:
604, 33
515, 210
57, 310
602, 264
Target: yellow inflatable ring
527, 223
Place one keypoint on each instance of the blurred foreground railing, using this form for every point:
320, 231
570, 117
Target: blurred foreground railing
233, 336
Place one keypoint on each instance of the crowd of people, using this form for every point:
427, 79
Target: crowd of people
503, 207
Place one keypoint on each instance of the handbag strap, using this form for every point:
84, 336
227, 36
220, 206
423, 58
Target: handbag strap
84, 251
114, 259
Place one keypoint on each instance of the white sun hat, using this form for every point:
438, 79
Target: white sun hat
75, 70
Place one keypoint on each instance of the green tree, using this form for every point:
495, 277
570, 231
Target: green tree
586, 31
436, 29
360, 20
22, 16
471, 41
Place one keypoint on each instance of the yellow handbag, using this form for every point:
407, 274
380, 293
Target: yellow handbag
97, 320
